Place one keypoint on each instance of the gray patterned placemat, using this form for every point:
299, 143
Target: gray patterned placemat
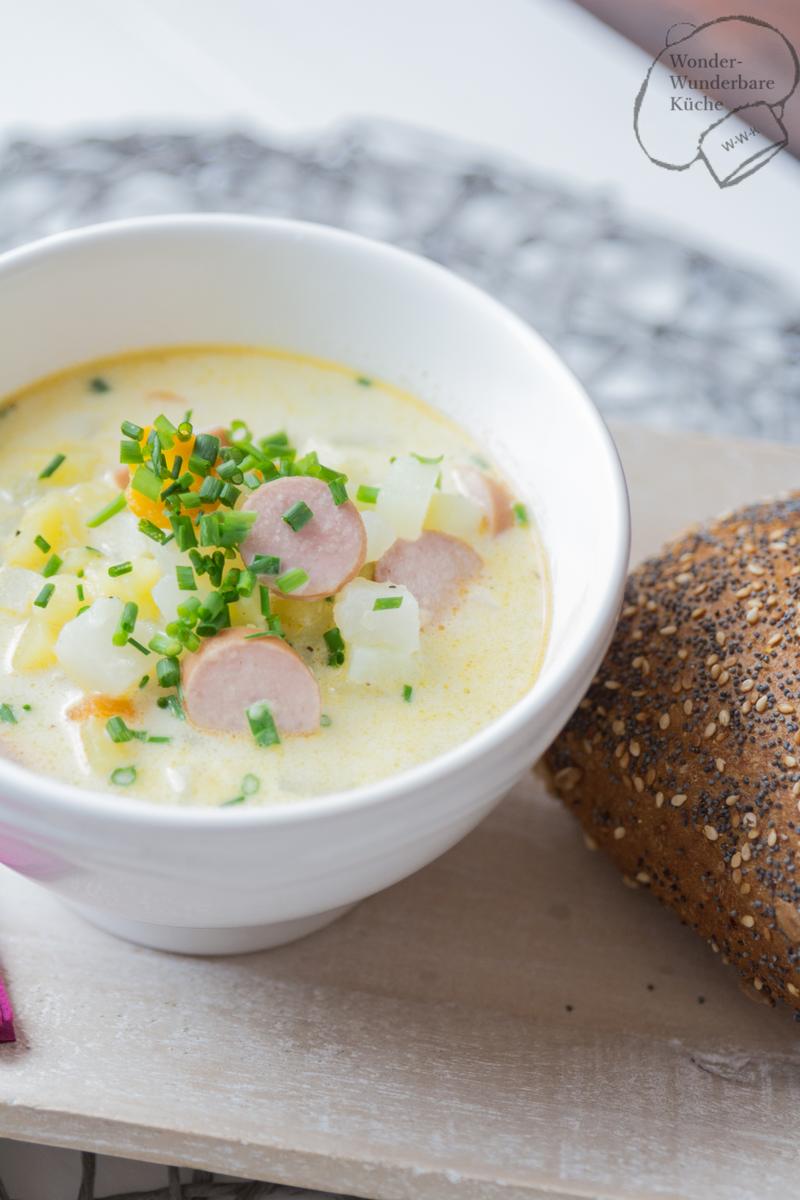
659, 331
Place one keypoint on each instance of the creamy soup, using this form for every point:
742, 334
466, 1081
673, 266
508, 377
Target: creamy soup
241, 577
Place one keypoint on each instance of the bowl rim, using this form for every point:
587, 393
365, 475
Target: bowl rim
48, 793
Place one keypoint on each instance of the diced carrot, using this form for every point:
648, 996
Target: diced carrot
99, 706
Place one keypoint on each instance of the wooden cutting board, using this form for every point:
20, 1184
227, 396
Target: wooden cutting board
512, 1021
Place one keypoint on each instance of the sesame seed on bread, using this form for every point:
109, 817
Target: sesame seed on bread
683, 759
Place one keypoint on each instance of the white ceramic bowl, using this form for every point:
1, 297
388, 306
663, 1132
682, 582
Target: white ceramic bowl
224, 881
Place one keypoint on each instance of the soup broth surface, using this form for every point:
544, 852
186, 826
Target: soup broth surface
471, 666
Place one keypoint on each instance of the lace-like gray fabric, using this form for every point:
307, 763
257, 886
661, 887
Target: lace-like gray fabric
658, 331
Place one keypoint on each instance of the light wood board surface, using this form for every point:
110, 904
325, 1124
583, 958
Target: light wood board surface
512, 1021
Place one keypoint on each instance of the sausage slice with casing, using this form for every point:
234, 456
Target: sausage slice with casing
231, 671
330, 546
435, 568
491, 496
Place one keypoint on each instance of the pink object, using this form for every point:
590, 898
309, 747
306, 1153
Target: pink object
6, 1017
491, 496
330, 548
435, 568
231, 671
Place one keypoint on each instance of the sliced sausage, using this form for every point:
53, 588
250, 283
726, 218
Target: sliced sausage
331, 547
231, 671
491, 496
435, 568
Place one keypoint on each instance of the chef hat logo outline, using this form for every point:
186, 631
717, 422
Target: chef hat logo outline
714, 133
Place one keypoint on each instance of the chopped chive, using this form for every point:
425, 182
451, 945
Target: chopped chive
184, 532
229, 494
143, 682
147, 483
264, 600
325, 721
250, 784
292, 579
173, 704
430, 462
363, 381
199, 466
408, 692
335, 643
158, 740
251, 480
130, 452
229, 471
82, 610
160, 643
384, 602
176, 467
185, 429
43, 545
153, 532
262, 725
265, 564
126, 624
43, 599
246, 583
26, 707
188, 609
80, 592
52, 466
118, 731
93, 550
166, 431
191, 500
123, 776
7, 714
206, 446
138, 646
225, 528
338, 490
123, 568
52, 566
168, 671
521, 514
366, 494
298, 515
210, 489
99, 385
230, 803
186, 579
132, 431
108, 512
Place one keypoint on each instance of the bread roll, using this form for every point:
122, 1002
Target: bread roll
683, 760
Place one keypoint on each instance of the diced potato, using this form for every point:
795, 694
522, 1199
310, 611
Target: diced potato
301, 619
381, 668
35, 649
18, 589
450, 512
380, 535
405, 495
88, 656
394, 631
103, 755
60, 518
138, 585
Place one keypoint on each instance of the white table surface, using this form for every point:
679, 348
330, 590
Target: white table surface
539, 79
